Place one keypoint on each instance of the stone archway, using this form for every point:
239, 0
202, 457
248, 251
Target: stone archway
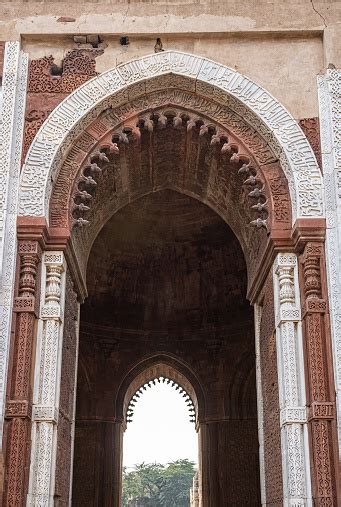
246, 128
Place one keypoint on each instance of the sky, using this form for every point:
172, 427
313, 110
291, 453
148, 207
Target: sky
160, 431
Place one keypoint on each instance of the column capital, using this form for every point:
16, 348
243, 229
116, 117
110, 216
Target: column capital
29, 256
288, 315
55, 266
288, 309
55, 258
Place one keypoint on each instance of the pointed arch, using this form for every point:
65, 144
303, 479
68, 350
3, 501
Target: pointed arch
153, 366
207, 78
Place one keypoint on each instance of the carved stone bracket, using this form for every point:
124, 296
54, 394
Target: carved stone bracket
322, 410
45, 413
293, 413
21, 409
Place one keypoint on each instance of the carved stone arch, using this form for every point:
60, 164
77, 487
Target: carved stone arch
161, 364
210, 154
223, 127
201, 75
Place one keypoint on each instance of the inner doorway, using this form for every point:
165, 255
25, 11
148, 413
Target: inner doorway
167, 277
160, 444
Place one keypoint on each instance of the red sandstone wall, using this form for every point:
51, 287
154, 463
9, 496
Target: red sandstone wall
272, 440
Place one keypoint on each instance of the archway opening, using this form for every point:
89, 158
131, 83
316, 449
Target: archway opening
167, 278
160, 444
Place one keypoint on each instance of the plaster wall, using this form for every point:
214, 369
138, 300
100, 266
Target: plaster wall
282, 46
286, 66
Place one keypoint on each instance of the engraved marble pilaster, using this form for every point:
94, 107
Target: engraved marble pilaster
293, 413
47, 380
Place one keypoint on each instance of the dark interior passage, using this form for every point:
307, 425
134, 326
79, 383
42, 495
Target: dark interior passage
167, 275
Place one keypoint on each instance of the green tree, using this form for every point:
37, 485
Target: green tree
155, 485
142, 485
177, 481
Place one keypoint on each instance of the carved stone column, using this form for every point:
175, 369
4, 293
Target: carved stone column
320, 393
47, 380
293, 412
18, 406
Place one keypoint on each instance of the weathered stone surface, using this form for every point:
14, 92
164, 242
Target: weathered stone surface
247, 36
49, 84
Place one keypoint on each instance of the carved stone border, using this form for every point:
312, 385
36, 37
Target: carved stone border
329, 93
260, 408
260, 109
11, 132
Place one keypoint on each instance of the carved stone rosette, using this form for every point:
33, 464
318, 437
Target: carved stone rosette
320, 395
18, 406
47, 380
293, 412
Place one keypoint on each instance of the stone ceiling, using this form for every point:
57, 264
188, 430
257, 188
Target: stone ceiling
165, 261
